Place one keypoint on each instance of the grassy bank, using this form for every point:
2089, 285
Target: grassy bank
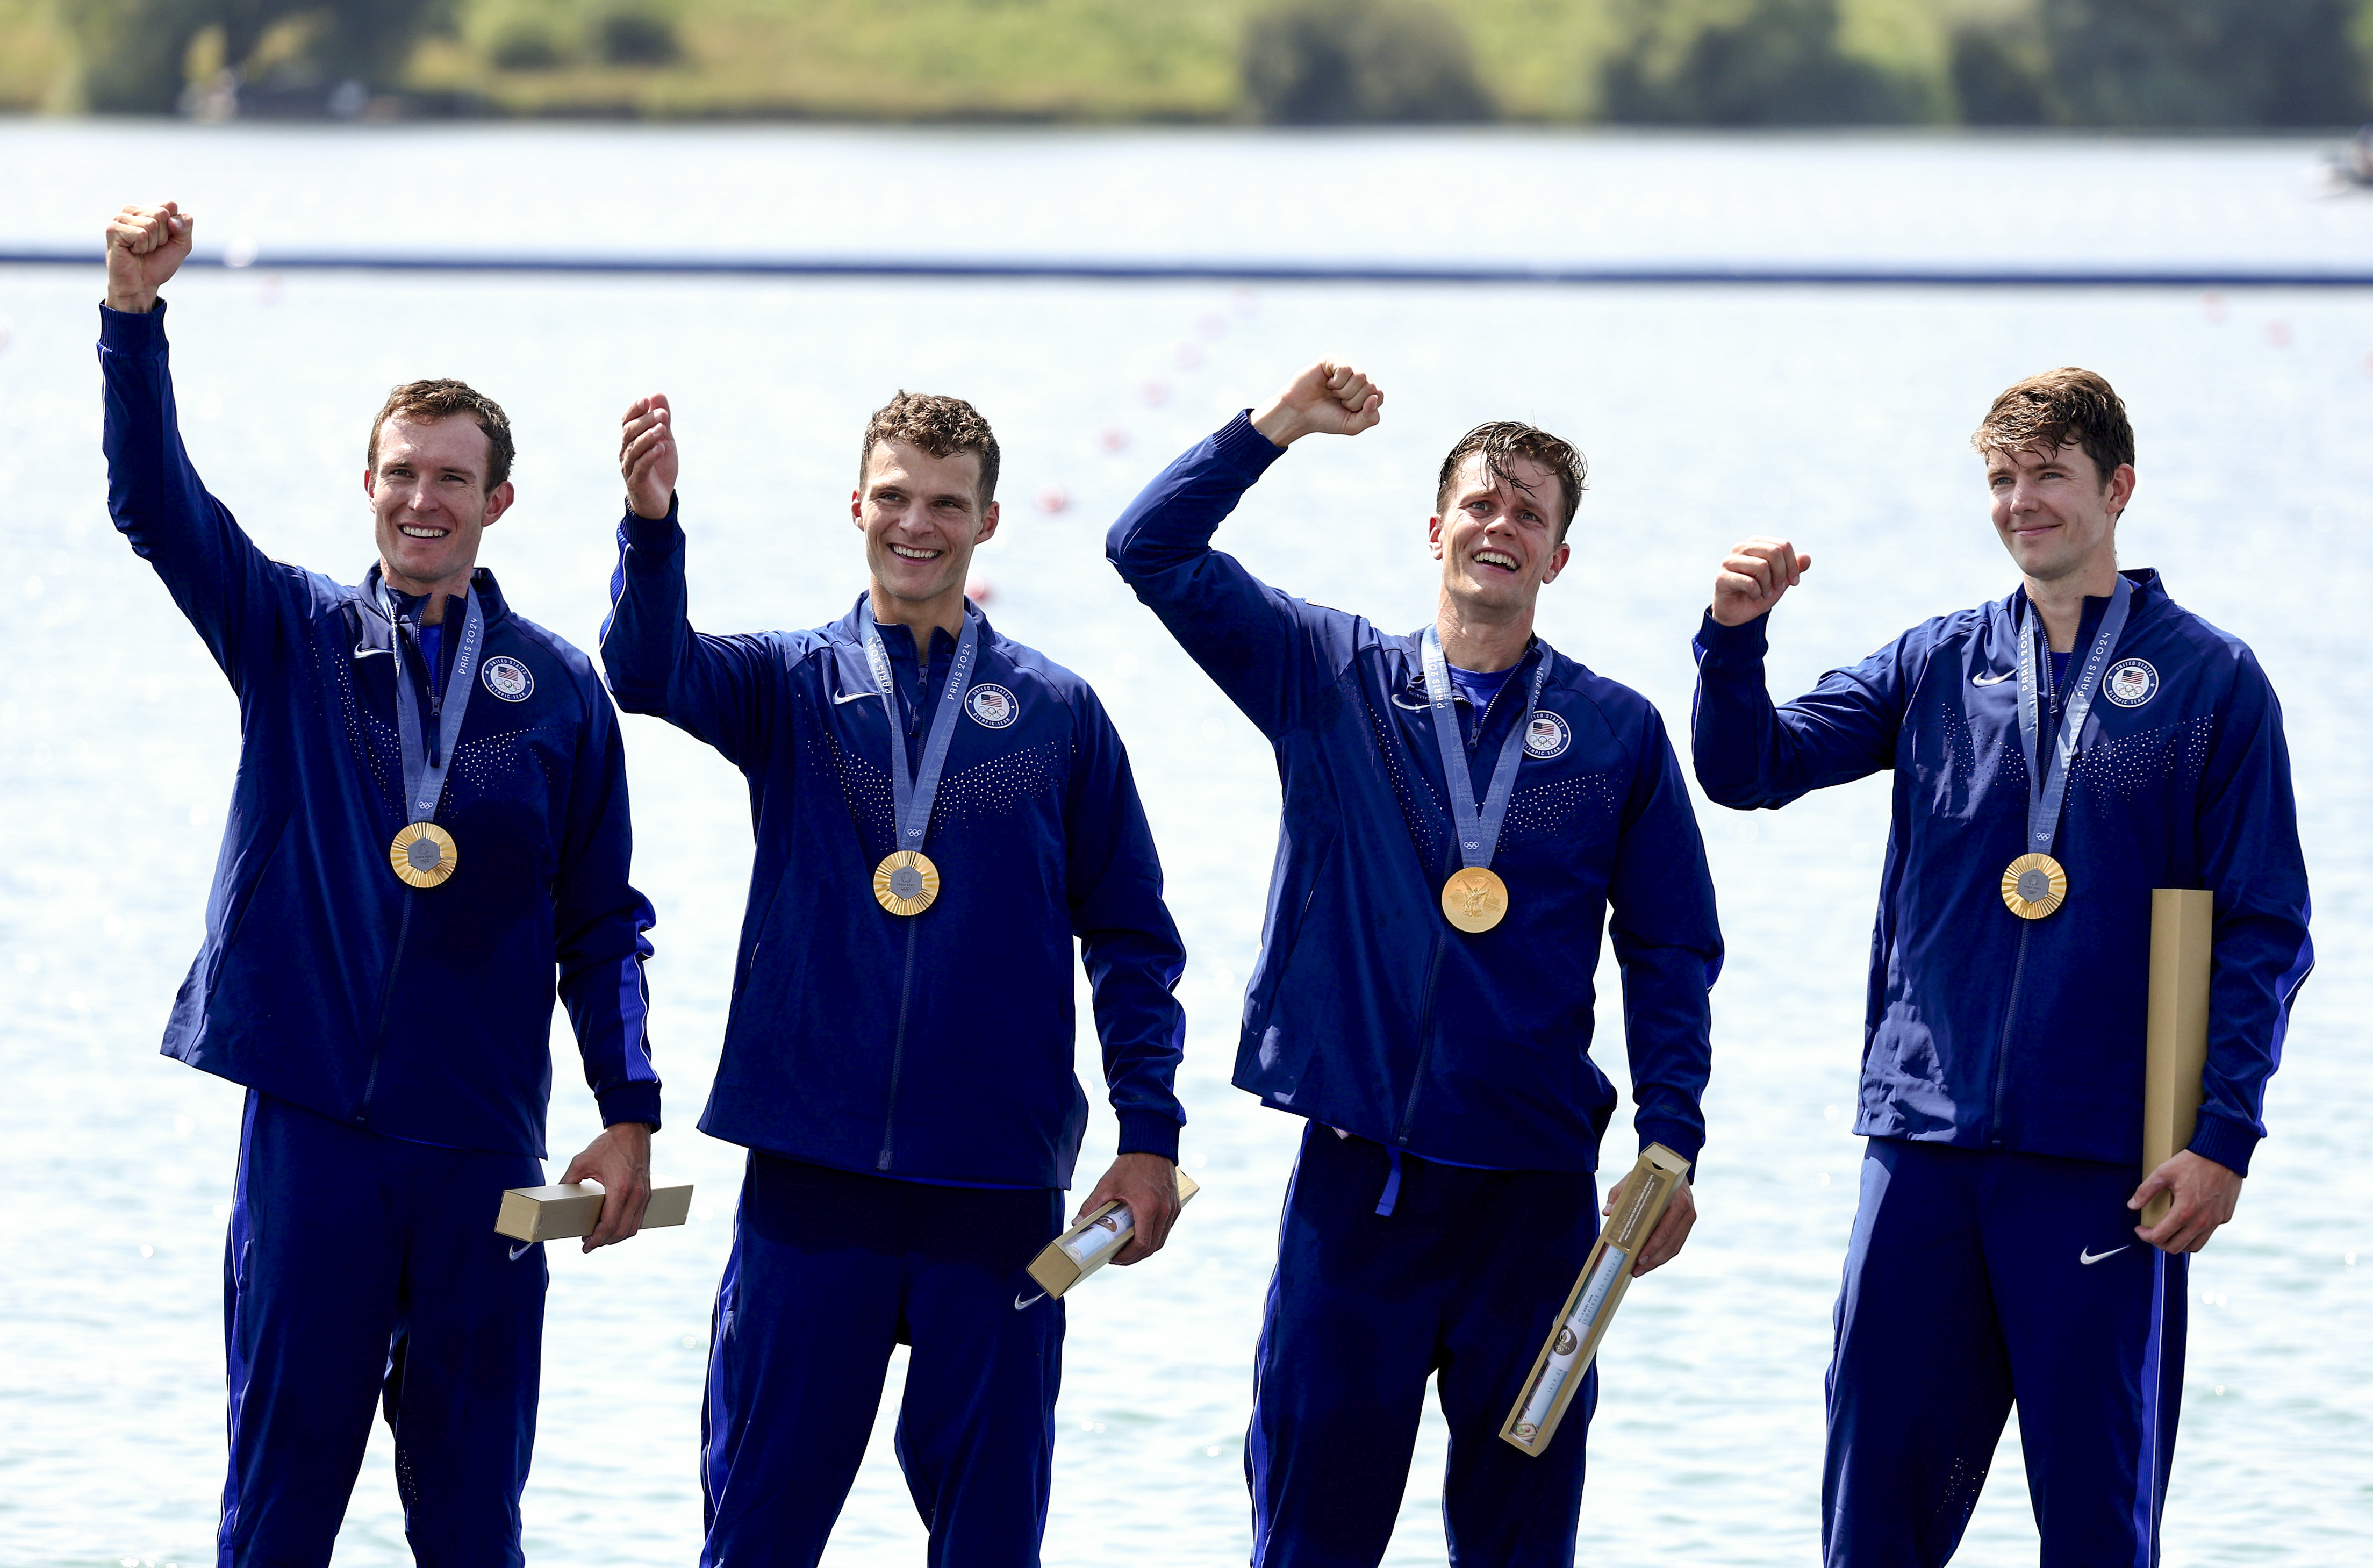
1715, 61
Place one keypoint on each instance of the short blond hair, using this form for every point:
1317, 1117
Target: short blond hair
940, 425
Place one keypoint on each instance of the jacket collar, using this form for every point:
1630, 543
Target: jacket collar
1413, 649
856, 674
366, 595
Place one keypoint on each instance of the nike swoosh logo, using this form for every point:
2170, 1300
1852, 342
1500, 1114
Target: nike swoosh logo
840, 697
1019, 1303
520, 1249
362, 652
1994, 680
2096, 1257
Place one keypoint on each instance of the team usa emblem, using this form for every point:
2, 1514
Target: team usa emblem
2129, 683
1545, 735
991, 706
507, 679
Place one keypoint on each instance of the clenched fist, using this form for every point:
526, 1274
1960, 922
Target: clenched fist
1328, 399
144, 247
1753, 577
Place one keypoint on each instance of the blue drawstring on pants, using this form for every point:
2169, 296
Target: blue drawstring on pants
1392, 1183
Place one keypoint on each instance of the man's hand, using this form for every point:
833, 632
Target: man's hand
646, 455
144, 247
1665, 1241
1753, 577
2205, 1194
1149, 1185
1328, 399
620, 1160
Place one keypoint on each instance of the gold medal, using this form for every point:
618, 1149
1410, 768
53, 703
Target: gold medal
2034, 886
424, 855
905, 882
1474, 899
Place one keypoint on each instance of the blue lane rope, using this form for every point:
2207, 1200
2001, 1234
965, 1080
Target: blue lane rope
1264, 271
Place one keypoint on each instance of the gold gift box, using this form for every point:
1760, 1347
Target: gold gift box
1090, 1245
1572, 1344
573, 1209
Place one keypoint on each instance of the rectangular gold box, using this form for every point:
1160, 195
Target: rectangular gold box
562, 1212
2183, 928
1573, 1342
1090, 1245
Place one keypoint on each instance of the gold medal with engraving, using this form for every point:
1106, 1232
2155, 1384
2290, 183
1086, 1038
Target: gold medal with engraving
2034, 886
905, 882
424, 855
1474, 899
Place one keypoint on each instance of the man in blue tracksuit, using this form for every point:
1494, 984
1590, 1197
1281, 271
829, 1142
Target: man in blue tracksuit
940, 813
430, 822
1464, 807
2124, 744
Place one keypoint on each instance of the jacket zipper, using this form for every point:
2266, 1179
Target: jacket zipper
2002, 1046
897, 1051
1433, 961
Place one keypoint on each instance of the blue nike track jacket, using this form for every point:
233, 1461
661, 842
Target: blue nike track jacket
1986, 1031
424, 1015
937, 1047
1366, 1010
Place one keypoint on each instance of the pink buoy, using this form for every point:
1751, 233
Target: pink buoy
1115, 438
978, 592
1053, 498
1155, 394
2211, 305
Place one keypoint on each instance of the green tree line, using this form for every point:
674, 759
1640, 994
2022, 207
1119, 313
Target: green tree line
2127, 63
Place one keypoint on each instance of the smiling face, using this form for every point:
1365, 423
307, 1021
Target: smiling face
2054, 512
1498, 539
922, 516
428, 496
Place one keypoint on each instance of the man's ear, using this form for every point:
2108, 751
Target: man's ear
1558, 559
856, 509
370, 484
499, 501
2122, 490
1433, 535
988, 524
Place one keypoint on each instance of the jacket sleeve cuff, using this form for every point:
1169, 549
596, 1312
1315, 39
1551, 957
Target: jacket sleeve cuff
652, 536
1148, 1132
1245, 448
122, 332
637, 1101
1686, 1141
2228, 1142
1735, 647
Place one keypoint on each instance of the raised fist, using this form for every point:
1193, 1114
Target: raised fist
647, 459
1328, 399
1753, 577
144, 247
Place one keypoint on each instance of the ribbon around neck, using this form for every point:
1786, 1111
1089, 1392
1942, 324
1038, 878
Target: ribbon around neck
1479, 826
2046, 783
424, 770
913, 792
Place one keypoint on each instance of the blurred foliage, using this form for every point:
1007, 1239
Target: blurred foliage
1359, 62
1751, 62
2175, 64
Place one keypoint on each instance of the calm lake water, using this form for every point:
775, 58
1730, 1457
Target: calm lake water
1838, 416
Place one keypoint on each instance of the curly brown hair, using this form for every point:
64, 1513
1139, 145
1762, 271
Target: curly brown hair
442, 400
2059, 408
940, 425
1502, 440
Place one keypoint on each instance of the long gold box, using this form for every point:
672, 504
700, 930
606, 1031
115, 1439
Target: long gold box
2175, 1051
573, 1209
1090, 1245
1573, 1343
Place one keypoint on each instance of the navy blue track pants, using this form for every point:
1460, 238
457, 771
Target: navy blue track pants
1975, 1281
829, 1270
363, 1270
1463, 1278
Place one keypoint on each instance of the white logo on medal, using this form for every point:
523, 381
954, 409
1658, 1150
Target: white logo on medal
507, 679
992, 707
1545, 735
2129, 683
